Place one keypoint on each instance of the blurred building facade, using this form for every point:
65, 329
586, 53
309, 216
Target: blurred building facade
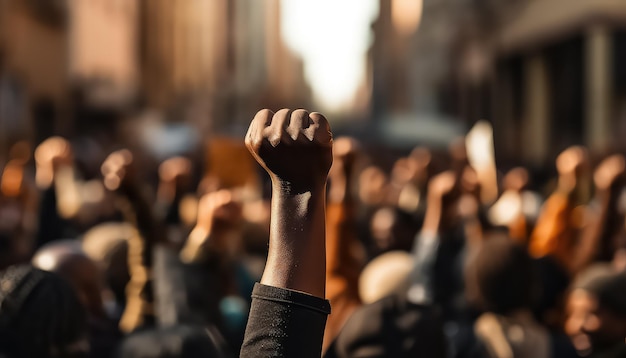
557, 78
211, 63
546, 73
412, 70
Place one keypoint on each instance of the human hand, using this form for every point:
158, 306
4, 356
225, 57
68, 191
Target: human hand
51, 155
117, 169
442, 187
218, 214
373, 186
404, 171
345, 153
516, 179
609, 172
54, 152
175, 170
443, 192
294, 147
174, 177
571, 161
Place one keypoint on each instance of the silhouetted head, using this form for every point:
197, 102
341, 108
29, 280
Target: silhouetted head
40, 315
107, 245
596, 308
500, 277
67, 259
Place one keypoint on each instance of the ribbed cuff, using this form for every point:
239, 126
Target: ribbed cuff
283, 295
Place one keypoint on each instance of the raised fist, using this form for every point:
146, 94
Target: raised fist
443, 186
175, 170
54, 152
572, 161
345, 154
345, 149
516, 179
294, 147
609, 171
116, 169
218, 214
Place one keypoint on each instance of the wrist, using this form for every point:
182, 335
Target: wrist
432, 218
284, 188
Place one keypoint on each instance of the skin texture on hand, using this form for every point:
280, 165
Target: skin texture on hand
295, 148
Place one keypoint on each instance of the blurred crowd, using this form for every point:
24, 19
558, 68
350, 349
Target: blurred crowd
106, 255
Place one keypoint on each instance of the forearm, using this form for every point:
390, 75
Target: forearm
595, 232
341, 243
341, 230
297, 251
68, 197
432, 218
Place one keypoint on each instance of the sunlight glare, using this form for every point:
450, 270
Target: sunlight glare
333, 38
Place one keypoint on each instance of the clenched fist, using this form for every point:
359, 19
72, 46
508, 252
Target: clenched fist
117, 170
294, 147
609, 172
218, 215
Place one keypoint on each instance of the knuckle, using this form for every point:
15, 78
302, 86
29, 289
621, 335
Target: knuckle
264, 113
300, 113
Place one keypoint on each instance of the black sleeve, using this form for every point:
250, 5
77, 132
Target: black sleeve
284, 323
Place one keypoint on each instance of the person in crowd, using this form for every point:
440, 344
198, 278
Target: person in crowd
17, 205
289, 311
501, 281
70, 204
511, 209
555, 233
406, 323
107, 245
67, 259
174, 185
213, 251
345, 256
596, 312
119, 177
40, 315
411, 261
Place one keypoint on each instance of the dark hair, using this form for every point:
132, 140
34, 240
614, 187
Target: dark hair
500, 278
174, 342
608, 286
40, 315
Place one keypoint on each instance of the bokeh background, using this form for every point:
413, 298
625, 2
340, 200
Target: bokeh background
170, 75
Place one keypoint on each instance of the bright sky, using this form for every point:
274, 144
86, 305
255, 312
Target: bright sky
332, 37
